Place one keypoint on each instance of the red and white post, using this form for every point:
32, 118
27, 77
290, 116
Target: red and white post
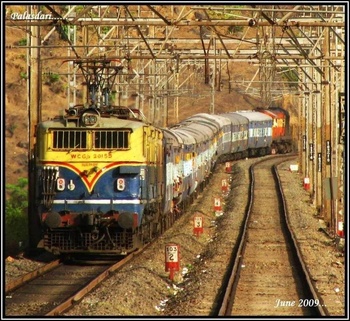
172, 259
197, 225
217, 204
224, 186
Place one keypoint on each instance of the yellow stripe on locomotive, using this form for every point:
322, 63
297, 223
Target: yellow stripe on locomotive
91, 151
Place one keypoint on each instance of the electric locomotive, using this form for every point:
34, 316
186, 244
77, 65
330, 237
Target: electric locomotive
281, 138
99, 177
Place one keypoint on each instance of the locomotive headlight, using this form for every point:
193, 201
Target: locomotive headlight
90, 117
61, 184
90, 120
120, 184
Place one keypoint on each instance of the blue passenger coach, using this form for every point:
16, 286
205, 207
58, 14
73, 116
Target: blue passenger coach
260, 132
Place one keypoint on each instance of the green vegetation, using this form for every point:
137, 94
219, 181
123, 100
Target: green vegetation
228, 13
54, 81
113, 97
234, 29
23, 75
290, 75
63, 31
11, 128
51, 78
16, 218
105, 29
78, 9
22, 42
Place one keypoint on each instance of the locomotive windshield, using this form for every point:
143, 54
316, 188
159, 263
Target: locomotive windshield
72, 139
97, 139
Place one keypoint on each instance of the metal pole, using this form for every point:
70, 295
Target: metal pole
318, 143
301, 134
34, 115
212, 83
326, 130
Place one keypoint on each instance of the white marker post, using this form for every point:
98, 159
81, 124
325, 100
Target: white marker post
172, 259
217, 204
224, 186
198, 225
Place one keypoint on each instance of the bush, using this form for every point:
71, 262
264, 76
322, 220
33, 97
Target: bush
16, 218
52, 77
22, 42
23, 75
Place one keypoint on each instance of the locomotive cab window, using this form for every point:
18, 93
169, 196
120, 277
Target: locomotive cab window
69, 139
81, 139
111, 139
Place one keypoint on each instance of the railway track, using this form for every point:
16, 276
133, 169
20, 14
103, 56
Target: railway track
268, 275
151, 272
55, 287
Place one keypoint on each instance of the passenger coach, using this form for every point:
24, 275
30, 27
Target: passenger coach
260, 132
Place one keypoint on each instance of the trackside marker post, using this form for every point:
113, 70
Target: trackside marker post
224, 186
217, 204
172, 259
340, 229
198, 225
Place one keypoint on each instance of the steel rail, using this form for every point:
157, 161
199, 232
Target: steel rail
12, 285
227, 300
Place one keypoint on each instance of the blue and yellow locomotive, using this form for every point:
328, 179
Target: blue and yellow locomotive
97, 175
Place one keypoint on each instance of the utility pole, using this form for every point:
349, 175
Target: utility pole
34, 115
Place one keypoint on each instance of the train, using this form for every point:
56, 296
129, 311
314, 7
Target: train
107, 182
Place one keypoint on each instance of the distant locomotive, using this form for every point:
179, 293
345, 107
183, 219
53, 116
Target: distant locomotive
108, 182
281, 138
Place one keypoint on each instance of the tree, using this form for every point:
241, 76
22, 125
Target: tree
16, 218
